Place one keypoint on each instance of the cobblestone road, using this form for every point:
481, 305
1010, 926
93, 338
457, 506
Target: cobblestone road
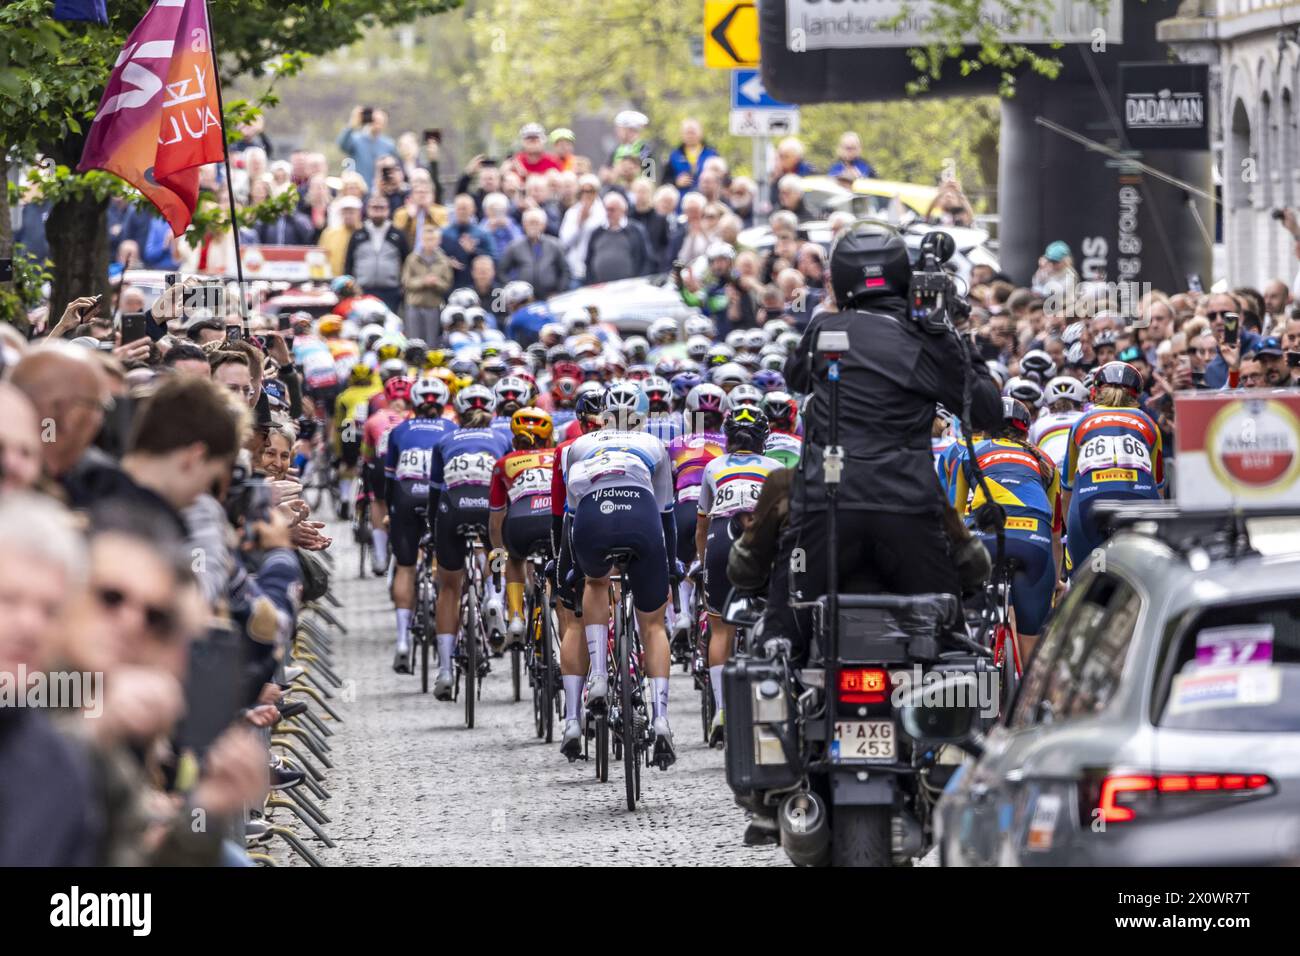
412, 786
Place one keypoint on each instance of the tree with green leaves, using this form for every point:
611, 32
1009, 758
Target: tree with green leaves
53, 74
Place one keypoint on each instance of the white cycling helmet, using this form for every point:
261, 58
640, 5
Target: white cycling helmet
744, 394
729, 373
697, 347
1024, 390
662, 331
462, 298
430, 391
700, 325
576, 321
1065, 387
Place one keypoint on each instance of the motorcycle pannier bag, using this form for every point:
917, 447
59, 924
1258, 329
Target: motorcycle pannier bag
760, 715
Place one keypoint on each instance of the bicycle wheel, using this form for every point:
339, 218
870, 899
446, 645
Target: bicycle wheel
516, 671
422, 618
365, 539
550, 699
626, 639
602, 747
469, 633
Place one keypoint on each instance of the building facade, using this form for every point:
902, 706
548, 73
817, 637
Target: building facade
1252, 49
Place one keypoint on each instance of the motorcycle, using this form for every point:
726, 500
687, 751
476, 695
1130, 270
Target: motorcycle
844, 760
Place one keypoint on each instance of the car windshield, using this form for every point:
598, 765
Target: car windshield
1234, 667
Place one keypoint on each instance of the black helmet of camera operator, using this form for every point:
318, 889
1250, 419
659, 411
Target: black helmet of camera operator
869, 261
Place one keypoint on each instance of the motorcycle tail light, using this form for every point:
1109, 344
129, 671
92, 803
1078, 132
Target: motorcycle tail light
863, 685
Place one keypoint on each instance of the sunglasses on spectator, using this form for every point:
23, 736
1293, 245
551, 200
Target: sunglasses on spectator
160, 621
1219, 314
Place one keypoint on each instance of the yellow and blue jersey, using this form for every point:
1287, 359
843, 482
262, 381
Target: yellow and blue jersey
1114, 449
1020, 478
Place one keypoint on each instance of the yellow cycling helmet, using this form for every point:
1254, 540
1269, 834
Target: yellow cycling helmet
360, 375
389, 350
434, 358
459, 382
535, 423
330, 325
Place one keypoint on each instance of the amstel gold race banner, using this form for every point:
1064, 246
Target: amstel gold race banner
1238, 449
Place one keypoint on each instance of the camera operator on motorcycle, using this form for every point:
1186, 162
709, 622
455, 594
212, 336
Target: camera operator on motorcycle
891, 525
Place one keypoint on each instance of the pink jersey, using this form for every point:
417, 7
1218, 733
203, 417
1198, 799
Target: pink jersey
374, 438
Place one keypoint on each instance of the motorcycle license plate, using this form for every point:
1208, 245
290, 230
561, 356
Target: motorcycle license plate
871, 741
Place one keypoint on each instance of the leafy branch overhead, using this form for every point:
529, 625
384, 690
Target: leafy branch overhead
52, 74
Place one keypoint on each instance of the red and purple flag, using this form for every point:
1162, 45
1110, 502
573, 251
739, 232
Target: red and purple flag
159, 119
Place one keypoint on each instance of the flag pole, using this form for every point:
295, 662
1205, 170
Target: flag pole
230, 182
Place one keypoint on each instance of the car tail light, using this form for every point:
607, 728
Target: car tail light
863, 685
1114, 797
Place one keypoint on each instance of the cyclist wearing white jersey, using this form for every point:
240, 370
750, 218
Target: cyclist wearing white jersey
1063, 399
619, 489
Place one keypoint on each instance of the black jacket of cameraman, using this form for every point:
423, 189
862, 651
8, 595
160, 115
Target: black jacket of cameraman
890, 379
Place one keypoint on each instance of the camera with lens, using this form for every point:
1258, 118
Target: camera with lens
933, 300
248, 498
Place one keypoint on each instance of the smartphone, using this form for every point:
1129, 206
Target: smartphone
1194, 283
92, 308
433, 135
1231, 328
170, 278
1293, 359
134, 327
367, 115
284, 322
6, 269
212, 689
234, 333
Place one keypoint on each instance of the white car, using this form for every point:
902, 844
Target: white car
630, 305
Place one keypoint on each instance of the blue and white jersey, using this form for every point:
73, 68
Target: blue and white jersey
501, 426
665, 426
408, 458
466, 456
617, 459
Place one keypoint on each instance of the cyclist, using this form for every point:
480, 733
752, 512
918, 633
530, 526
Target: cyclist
563, 393
459, 477
588, 400
1024, 481
574, 660
351, 409
1114, 452
374, 450
728, 493
511, 394
407, 461
690, 454
1064, 398
663, 423
520, 502
619, 489
783, 443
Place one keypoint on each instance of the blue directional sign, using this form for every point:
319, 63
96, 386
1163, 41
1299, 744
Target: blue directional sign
747, 93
